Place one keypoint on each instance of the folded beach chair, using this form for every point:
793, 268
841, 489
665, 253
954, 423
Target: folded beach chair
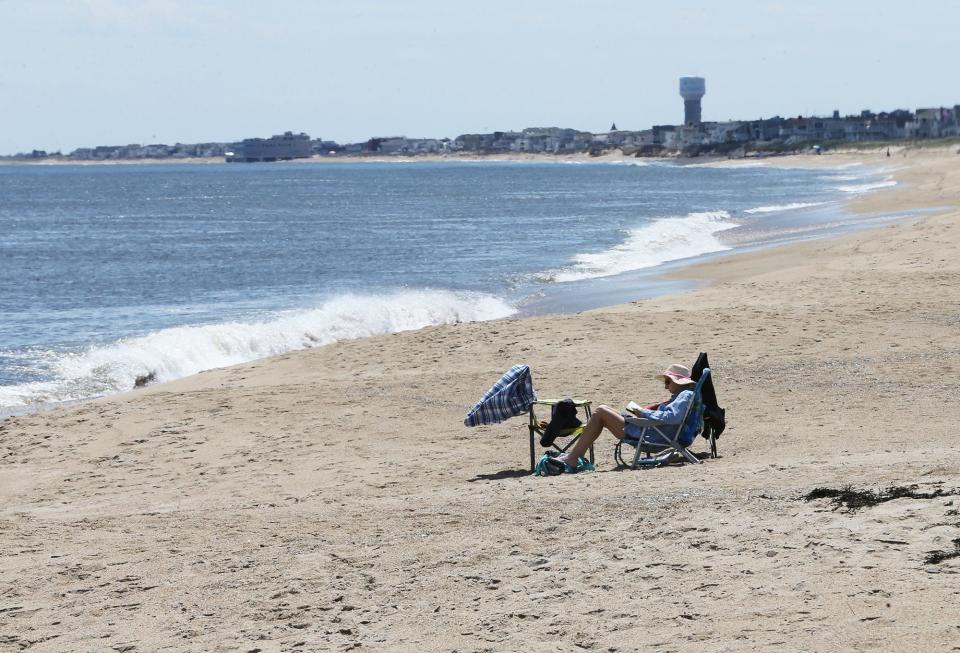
660, 447
563, 424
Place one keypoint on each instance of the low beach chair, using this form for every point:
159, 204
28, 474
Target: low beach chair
660, 448
537, 430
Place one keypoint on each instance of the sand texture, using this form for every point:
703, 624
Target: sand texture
331, 499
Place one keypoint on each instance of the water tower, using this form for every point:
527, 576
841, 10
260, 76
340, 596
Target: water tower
691, 90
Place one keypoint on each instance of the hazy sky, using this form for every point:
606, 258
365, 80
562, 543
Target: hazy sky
77, 73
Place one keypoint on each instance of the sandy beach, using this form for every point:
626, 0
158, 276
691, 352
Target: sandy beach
331, 499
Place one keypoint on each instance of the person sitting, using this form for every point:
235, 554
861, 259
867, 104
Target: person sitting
676, 380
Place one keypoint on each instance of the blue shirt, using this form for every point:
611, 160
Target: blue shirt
669, 414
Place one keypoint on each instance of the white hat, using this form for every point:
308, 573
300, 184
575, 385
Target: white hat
679, 374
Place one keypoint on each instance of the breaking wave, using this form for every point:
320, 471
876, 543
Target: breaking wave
662, 240
177, 352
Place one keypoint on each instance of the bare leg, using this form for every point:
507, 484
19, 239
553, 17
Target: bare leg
603, 418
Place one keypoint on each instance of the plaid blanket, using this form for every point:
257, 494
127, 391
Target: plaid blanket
509, 397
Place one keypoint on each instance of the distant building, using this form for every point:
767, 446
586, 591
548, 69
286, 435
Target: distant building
392, 145
321, 146
932, 123
276, 148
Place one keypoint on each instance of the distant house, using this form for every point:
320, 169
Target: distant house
325, 147
693, 134
429, 145
728, 132
659, 135
276, 148
392, 144
933, 123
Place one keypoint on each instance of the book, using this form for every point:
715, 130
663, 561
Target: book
635, 408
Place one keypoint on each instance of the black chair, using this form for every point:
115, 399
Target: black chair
538, 431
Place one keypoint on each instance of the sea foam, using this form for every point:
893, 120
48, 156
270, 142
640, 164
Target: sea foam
177, 352
634, 163
776, 208
864, 188
840, 177
662, 240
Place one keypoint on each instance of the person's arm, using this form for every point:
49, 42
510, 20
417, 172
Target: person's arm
673, 412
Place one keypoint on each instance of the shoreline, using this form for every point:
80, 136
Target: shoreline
331, 498
614, 155
673, 277
357, 158
574, 297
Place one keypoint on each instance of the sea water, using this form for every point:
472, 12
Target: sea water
110, 273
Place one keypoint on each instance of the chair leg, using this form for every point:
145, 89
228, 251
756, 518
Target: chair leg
636, 454
689, 456
533, 451
588, 413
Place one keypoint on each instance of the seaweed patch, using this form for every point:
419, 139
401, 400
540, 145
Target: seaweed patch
936, 557
854, 500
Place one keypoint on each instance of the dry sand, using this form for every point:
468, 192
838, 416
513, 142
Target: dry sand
331, 499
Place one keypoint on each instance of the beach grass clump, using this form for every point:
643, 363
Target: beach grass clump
854, 500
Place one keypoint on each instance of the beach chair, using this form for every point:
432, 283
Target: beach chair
714, 417
537, 430
660, 448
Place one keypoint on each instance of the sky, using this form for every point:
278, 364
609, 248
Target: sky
80, 73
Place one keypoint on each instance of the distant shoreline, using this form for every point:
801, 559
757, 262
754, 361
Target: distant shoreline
616, 155
352, 158
111, 162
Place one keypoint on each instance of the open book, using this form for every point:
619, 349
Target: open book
634, 408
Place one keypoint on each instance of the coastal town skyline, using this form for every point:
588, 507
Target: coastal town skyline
169, 71
690, 137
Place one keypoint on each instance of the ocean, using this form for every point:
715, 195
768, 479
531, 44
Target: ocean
110, 273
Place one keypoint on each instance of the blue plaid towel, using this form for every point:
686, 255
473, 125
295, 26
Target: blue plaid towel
509, 397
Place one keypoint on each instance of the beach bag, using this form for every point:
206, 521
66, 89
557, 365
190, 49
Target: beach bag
549, 465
